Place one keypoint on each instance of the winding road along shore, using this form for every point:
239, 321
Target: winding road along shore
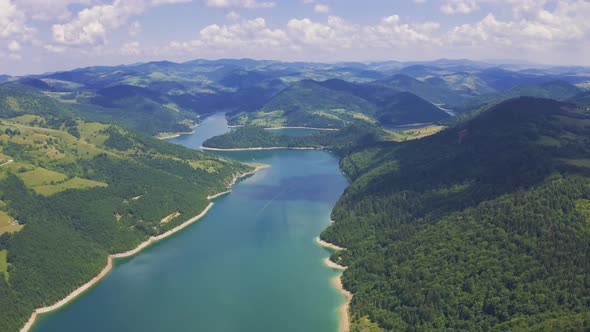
129, 253
337, 282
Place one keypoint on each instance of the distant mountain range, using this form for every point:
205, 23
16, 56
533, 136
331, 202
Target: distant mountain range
167, 96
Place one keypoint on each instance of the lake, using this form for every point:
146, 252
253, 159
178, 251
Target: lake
251, 264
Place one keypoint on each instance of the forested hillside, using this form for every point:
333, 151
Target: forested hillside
342, 141
483, 226
336, 103
72, 192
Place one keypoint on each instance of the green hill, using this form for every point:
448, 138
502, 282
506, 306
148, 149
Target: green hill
582, 99
557, 90
336, 103
434, 93
340, 141
77, 191
309, 104
480, 227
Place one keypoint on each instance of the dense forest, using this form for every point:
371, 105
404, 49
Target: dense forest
77, 191
341, 141
336, 103
483, 226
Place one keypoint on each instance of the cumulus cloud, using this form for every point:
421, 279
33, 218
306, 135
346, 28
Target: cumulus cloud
166, 2
303, 36
91, 25
459, 6
238, 4
532, 26
13, 21
319, 8
135, 28
132, 48
44, 10
233, 16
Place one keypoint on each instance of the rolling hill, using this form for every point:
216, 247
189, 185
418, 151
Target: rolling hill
557, 90
73, 192
464, 230
336, 103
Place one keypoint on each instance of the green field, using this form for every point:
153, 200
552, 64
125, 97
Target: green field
75, 183
3, 263
6, 225
40, 177
410, 134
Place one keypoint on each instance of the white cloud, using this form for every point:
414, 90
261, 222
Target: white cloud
532, 27
13, 22
335, 36
44, 10
319, 8
238, 4
135, 28
459, 6
166, 2
14, 46
54, 48
132, 48
233, 16
91, 25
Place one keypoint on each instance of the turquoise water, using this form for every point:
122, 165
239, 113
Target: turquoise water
251, 264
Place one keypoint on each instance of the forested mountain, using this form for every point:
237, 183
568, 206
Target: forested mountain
434, 93
582, 99
392, 107
133, 107
72, 192
309, 104
165, 96
341, 141
557, 90
480, 227
336, 103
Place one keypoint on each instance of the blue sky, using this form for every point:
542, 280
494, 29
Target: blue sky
41, 35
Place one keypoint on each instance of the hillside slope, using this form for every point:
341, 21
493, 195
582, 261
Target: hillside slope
72, 192
465, 229
336, 103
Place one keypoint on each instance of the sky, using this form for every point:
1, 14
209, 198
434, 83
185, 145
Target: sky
39, 36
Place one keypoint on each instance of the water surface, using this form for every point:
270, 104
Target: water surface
251, 264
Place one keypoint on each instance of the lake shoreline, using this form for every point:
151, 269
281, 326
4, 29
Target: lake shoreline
337, 283
109, 266
261, 149
310, 128
235, 179
178, 134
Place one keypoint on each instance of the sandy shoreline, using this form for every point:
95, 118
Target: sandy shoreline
129, 253
174, 135
257, 149
337, 282
328, 244
344, 308
235, 179
311, 128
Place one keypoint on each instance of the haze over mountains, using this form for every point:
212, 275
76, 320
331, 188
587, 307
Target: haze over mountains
461, 229
166, 96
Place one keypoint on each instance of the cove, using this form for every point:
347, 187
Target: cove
251, 264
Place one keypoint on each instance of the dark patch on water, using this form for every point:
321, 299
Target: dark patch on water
307, 188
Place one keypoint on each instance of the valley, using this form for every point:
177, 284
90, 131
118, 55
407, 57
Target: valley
449, 220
